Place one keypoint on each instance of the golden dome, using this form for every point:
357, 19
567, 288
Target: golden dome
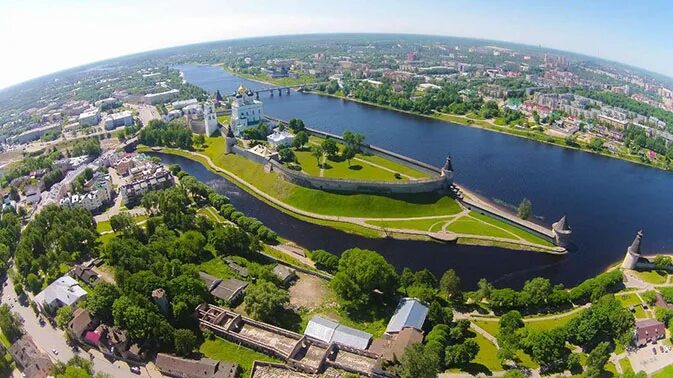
241, 89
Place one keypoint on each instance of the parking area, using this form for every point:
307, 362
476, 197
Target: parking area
651, 358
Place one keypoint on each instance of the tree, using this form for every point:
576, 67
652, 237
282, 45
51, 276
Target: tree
536, 291
525, 209
63, 316
461, 354
230, 240
597, 359
450, 285
547, 347
348, 154
596, 144
330, 147
662, 262
416, 363
353, 140
514, 374
362, 272
407, 278
185, 342
325, 260
121, 223
99, 302
300, 139
650, 297
199, 140
438, 314
286, 154
484, 289
265, 301
296, 125
317, 153
10, 323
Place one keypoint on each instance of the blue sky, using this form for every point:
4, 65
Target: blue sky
50, 35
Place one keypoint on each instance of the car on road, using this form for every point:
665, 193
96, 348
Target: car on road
55, 352
661, 349
654, 350
135, 370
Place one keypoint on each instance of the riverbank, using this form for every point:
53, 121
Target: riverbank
489, 125
358, 213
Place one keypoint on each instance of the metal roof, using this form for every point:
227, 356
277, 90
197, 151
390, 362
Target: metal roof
351, 337
321, 329
409, 313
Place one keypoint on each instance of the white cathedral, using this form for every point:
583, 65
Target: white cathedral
246, 111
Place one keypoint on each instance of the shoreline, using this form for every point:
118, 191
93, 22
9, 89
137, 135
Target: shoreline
462, 120
357, 227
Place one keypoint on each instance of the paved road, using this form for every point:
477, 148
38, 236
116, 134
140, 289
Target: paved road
146, 113
48, 339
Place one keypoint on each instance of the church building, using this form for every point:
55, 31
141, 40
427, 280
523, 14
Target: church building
246, 111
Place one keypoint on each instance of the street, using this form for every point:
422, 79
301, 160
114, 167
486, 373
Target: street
48, 339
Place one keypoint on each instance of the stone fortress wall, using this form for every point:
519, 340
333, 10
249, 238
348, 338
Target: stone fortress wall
440, 182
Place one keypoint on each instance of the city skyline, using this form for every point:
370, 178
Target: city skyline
623, 32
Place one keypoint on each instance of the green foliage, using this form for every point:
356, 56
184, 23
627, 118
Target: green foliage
450, 285
525, 209
286, 155
99, 302
330, 147
296, 125
160, 133
461, 354
606, 320
185, 342
594, 288
56, 236
10, 323
90, 146
265, 301
650, 297
596, 144
547, 348
259, 132
230, 240
362, 272
63, 316
300, 140
662, 262
597, 359
416, 363
325, 260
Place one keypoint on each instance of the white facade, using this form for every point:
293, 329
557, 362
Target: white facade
118, 119
280, 138
210, 118
90, 118
181, 104
245, 111
160, 98
65, 291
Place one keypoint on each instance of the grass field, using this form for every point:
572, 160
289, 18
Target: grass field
354, 205
666, 372
362, 167
216, 267
625, 364
488, 354
547, 324
653, 277
223, 350
420, 224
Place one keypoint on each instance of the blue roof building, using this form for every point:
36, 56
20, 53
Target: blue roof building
409, 313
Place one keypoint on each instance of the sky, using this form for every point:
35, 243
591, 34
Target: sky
43, 36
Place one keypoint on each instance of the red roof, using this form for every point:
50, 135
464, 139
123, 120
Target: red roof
92, 337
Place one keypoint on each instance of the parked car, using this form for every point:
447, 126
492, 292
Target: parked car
135, 370
654, 350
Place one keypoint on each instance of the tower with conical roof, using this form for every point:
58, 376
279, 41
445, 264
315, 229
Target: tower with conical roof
633, 252
562, 232
447, 170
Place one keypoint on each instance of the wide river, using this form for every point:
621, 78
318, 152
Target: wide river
606, 200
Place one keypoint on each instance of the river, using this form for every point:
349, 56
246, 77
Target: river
606, 200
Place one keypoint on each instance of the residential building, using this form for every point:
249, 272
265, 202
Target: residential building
34, 134
87, 201
332, 332
33, 195
246, 111
161, 97
81, 322
89, 118
177, 367
391, 347
65, 291
280, 138
32, 362
285, 274
156, 179
649, 330
229, 290
181, 104
85, 274
115, 120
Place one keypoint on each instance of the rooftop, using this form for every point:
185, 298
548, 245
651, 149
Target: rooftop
409, 313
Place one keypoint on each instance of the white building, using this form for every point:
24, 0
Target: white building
280, 138
210, 118
89, 201
181, 104
115, 120
90, 118
65, 291
173, 114
246, 111
161, 97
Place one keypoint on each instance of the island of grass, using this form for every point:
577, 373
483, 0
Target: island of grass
429, 215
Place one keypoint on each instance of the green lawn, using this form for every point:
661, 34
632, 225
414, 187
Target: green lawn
628, 300
419, 224
4, 340
488, 354
492, 327
223, 350
625, 364
472, 226
355, 205
103, 226
357, 170
666, 372
513, 229
653, 277
224, 119
547, 324
216, 267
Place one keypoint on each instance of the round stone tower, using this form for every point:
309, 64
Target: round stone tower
562, 232
633, 252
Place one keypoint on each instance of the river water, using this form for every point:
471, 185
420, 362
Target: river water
606, 200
